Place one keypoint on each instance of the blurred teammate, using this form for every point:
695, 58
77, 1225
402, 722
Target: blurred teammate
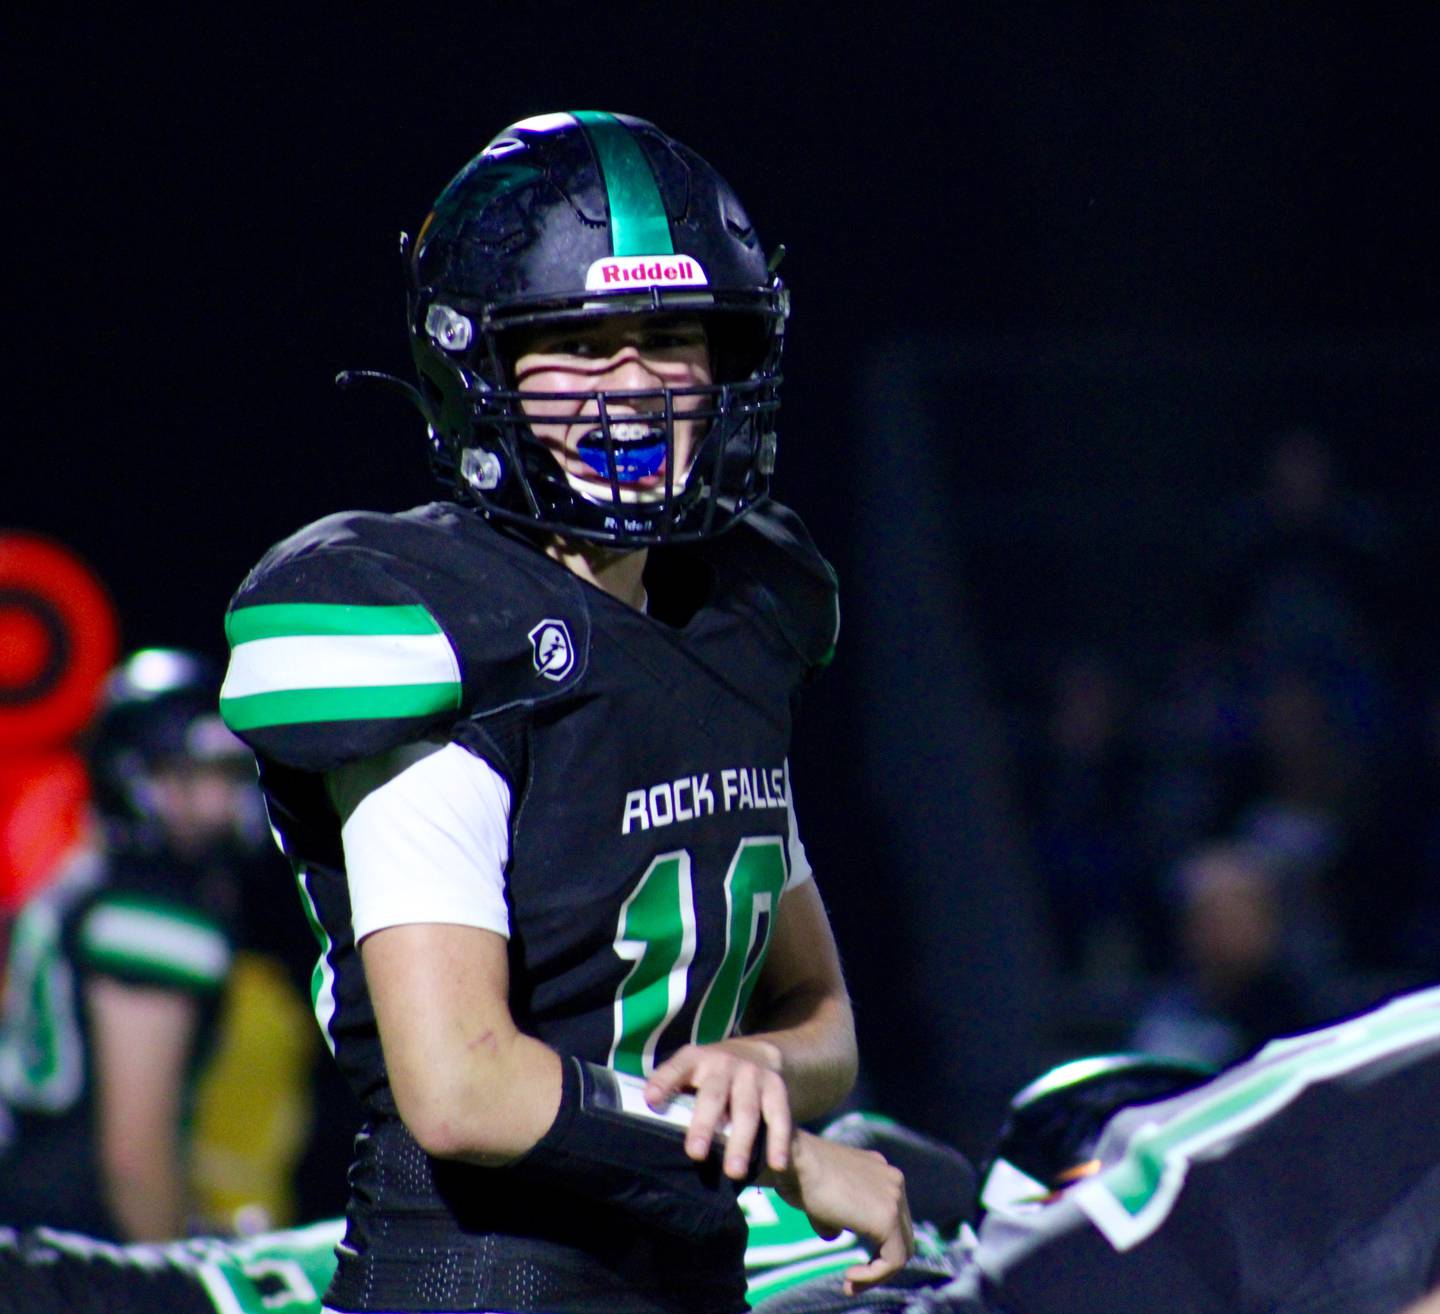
116, 967
527, 750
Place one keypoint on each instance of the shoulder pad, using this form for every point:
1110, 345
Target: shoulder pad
147, 936
773, 550
366, 631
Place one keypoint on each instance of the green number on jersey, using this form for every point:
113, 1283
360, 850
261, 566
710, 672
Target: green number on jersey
42, 1065
657, 933
752, 893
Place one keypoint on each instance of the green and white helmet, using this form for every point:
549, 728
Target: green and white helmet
568, 217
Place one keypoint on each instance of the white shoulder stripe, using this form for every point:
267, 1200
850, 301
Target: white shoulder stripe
146, 937
339, 662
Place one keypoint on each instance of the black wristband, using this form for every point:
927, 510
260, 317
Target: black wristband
633, 1161
608, 1089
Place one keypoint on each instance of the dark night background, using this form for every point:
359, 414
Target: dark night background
1059, 272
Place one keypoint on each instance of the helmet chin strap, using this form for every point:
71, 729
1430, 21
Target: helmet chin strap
348, 379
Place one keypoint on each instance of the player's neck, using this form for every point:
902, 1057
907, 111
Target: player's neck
620, 574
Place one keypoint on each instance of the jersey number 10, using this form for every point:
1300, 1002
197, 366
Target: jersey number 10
658, 934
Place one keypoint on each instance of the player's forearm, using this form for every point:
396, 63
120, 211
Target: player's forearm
812, 1032
801, 1007
491, 1103
145, 1193
839, 1186
467, 1082
142, 1038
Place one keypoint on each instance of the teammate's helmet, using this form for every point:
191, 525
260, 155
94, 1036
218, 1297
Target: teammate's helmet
1053, 1126
568, 217
159, 709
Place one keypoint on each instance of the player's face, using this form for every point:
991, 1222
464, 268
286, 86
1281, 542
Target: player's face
631, 359
198, 804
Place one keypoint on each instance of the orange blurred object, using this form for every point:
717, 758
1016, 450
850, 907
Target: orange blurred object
43, 819
58, 640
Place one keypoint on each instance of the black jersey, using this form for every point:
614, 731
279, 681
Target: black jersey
139, 916
649, 820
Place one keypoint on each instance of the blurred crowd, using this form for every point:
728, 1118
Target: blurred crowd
1249, 841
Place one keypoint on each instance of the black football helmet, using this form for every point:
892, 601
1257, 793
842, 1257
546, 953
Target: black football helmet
568, 217
1053, 1125
159, 709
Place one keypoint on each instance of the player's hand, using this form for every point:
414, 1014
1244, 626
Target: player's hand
738, 1090
841, 1187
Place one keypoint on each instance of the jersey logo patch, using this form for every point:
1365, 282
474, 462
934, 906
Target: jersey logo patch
553, 651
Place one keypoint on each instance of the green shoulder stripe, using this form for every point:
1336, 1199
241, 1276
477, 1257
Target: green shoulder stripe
294, 619
297, 706
296, 663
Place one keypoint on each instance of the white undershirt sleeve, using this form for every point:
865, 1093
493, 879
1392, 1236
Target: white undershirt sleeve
800, 871
429, 844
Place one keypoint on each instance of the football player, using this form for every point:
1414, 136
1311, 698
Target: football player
116, 968
527, 750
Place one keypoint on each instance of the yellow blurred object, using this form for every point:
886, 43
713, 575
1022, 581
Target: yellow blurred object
252, 1109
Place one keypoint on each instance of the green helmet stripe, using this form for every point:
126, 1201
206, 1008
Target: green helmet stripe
638, 222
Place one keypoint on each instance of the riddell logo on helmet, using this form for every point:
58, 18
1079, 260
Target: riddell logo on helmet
644, 271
